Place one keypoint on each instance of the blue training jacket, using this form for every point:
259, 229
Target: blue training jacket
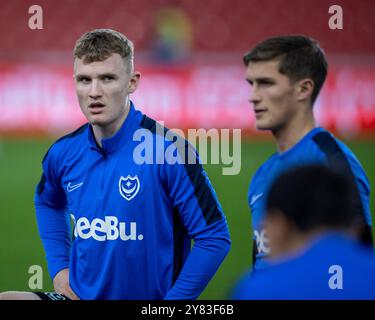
317, 147
331, 267
133, 223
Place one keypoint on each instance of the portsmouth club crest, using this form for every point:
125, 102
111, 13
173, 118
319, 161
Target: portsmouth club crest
129, 187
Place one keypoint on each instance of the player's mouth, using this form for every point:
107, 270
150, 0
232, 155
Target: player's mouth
259, 112
96, 107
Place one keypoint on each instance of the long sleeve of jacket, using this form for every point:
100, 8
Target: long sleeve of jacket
200, 212
52, 218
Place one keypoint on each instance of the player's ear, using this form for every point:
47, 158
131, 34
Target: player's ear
305, 89
134, 81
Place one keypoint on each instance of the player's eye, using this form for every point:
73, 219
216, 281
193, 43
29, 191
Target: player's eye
265, 83
108, 78
83, 80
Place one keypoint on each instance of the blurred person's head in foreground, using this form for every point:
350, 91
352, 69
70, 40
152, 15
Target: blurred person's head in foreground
310, 221
304, 203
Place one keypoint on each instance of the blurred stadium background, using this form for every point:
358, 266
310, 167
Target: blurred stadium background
190, 55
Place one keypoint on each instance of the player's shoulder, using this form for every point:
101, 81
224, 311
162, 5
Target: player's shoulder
357, 259
308, 148
166, 137
157, 128
260, 284
66, 142
337, 248
337, 152
330, 145
71, 137
240, 290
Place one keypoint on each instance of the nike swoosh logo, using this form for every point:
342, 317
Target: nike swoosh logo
254, 198
70, 187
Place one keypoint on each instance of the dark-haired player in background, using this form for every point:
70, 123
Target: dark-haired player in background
309, 219
286, 74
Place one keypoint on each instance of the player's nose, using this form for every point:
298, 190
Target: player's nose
95, 90
254, 96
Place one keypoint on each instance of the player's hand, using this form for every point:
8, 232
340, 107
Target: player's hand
61, 284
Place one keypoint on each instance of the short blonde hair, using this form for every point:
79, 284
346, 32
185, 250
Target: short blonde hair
99, 44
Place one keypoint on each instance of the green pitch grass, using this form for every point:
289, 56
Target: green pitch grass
21, 248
